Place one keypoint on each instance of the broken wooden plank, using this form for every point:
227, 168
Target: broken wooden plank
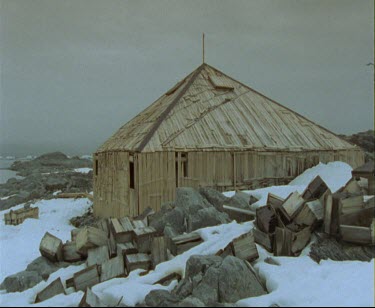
266, 219
69, 283
143, 238
73, 234
145, 215
137, 261
113, 268
351, 187
165, 281
264, 239
112, 246
357, 235
327, 206
70, 253
97, 255
315, 189
122, 230
292, 205
312, 212
351, 203
244, 247
86, 278
227, 251
90, 299
283, 242
181, 243
274, 201
362, 218
158, 251
54, 288
237, 214
126, 249
300, 241
90, 237
51, 247
138, 224
103, 224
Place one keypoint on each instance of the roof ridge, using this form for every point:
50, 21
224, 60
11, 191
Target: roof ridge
165, 113
277, 103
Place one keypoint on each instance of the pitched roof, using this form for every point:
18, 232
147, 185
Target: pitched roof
210, 110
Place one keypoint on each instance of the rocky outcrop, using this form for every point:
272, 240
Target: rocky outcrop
210, 281
366, 140
36, 271
190, 211
51, 162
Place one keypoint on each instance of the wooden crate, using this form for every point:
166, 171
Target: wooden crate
90, 237
19, 216
181, 243
137, 261
70, 253
97, 255
244, 247
113, 268
122, 229
86, 278
158, 251
143, 238
51, 247
54, 288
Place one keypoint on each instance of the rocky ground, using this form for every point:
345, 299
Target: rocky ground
365, 140
43, 176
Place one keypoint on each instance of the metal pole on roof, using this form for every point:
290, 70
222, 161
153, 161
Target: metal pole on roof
203, 45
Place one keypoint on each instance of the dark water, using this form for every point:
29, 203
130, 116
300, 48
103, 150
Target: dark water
5, 173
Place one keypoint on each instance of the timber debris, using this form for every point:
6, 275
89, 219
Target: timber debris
285, 226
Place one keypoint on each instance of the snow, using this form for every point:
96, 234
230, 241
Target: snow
302, 282
295, 282
21, 242
83, 170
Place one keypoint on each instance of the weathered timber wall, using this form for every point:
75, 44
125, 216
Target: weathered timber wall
156, 175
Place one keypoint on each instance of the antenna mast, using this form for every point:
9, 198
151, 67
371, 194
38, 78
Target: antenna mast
203, 45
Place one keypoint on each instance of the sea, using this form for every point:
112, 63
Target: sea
5, 173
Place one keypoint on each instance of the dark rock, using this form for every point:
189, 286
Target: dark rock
240, 200
191, 301
206, 217
173, 218
328, 248
43, 267
21, 281
214, 197
54, 183
237, 281
161, 298
189, 200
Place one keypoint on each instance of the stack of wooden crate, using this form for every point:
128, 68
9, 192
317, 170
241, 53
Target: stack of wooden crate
18, 216
284, 226
112, 248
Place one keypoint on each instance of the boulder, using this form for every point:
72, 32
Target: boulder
161, 298
206, 217
240, 200
174, 218
189, 200
54, 183
214, 197
213, 280
21, 281
43, 267
237, 281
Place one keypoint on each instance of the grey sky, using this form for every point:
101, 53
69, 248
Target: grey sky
74, 71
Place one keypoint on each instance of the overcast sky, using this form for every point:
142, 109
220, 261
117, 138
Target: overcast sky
74, 71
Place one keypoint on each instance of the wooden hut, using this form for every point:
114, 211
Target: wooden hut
209, 130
